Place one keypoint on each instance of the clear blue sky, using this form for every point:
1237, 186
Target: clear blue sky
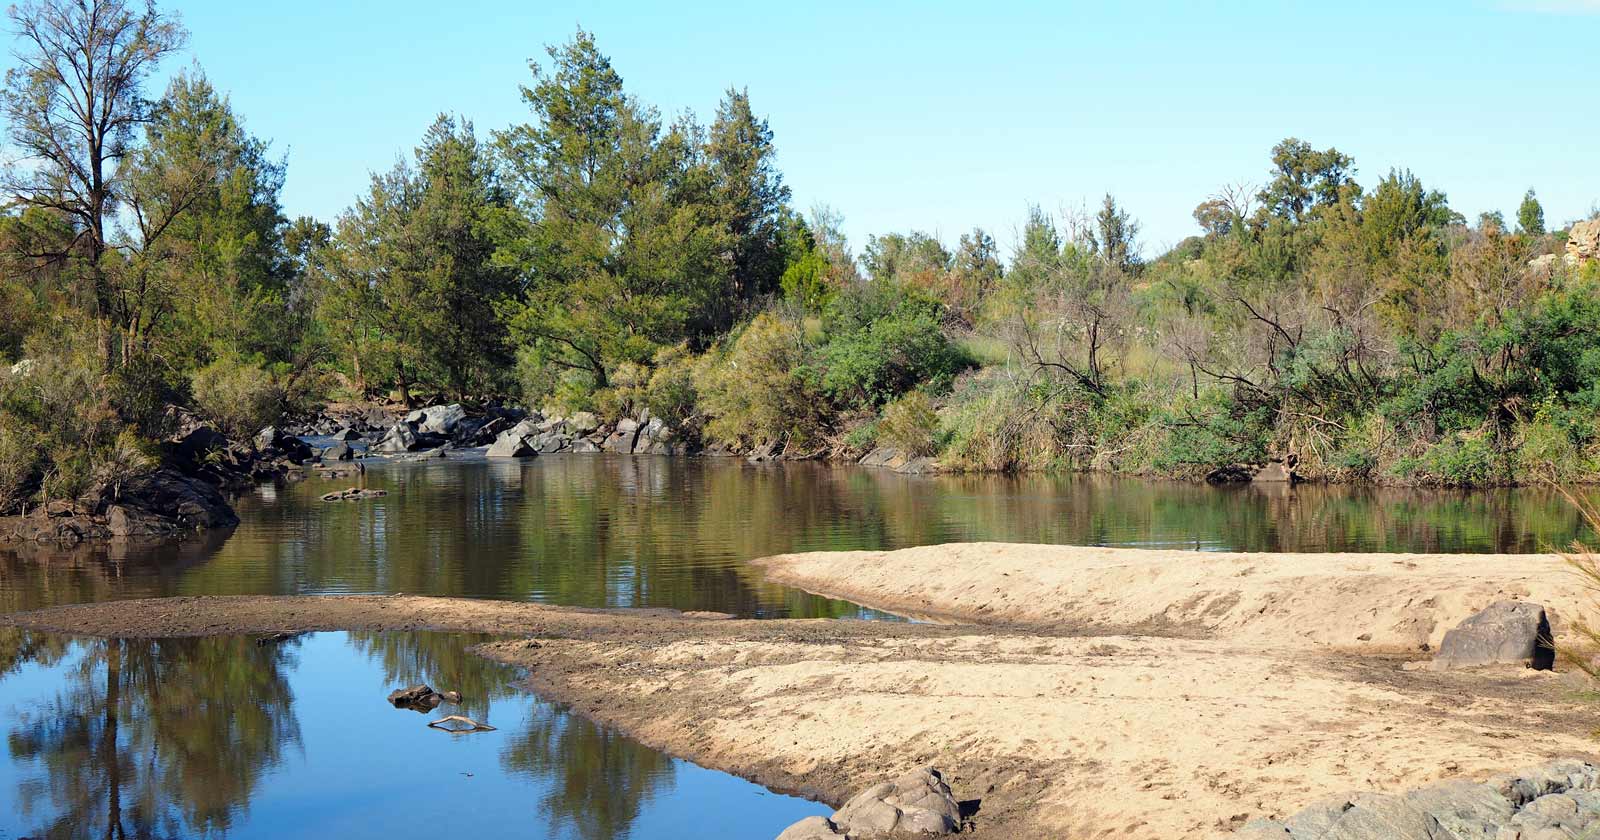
940, 116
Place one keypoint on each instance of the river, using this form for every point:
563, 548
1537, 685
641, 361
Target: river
224, 737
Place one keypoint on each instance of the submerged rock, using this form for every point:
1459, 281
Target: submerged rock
1505, 632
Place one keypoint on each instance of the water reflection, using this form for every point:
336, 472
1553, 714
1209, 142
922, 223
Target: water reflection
623, 531
222, 737
147, 738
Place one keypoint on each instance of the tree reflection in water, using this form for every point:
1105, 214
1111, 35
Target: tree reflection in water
594, 781
149, 738
222, 737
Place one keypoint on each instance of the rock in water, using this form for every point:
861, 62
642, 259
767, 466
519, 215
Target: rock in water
1504, 632
399, 439
916, 804
340, 451
417, 698
511, 444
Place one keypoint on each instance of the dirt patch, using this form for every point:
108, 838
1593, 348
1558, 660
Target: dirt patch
1056, 732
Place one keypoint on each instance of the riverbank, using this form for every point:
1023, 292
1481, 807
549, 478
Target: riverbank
1145, 722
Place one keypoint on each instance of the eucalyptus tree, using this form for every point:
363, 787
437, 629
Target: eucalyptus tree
74, 102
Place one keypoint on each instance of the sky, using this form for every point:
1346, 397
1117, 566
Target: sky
940, 116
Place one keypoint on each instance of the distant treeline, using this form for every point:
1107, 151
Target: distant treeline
600, 257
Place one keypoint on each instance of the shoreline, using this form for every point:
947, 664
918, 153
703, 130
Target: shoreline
1174, 726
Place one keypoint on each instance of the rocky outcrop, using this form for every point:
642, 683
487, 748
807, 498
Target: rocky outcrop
273, 442
437, 419
159, 504
1557, 800
1505, 632
1274, 471
1583, 241
900, 461
512, 443
917, 804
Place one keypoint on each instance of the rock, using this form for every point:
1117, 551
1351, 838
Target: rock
764, 452
510, 444
274, 441
1504, 632
417, 698
1558, 801
585, 447
551, 442
340, 451
918, 802
400, 438
346, 434
353, 494
899, 461
1231, 474
165, 503
811, 828
582, 423
621, 441
192, 448
1274, 471
437, 419
1583, 240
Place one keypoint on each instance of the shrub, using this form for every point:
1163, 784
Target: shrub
761, 390
910, 425
671, 394
1464, 460
19, 461
239, 396
882, 343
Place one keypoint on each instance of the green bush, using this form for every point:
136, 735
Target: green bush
760, 389
19, 461
1466, 460
883, 342
910, 425
671, 393
240, 397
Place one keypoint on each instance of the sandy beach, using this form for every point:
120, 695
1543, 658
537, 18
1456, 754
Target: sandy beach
1071, 692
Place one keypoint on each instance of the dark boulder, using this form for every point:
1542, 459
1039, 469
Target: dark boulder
273, 442
1505, 632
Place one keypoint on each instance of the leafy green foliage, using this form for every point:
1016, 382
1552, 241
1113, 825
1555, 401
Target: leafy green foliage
882, 342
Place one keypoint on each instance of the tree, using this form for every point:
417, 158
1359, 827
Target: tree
219, 264
411, 285
73, 104
1115, 235
1530, 216
750, 194
1304, 179
635, 231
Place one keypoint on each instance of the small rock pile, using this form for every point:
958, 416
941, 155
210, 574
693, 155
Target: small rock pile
916, 804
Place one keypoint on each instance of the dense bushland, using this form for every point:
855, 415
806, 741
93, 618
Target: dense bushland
602, 257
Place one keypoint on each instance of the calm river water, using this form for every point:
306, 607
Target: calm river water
219, 737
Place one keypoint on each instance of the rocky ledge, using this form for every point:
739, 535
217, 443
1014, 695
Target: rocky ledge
1556, 800
160, 504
